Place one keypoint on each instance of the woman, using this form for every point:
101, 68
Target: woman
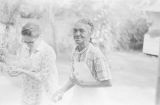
37, 66
90, 72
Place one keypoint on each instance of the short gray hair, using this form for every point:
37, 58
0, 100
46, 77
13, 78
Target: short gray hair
31, 29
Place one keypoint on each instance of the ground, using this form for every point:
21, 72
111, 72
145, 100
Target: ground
134, 78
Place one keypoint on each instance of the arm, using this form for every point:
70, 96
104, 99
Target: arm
17, 71
105, 83
59, 93
35, 75
68, 85
47, 67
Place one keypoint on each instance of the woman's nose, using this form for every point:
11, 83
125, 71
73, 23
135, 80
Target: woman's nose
78, 33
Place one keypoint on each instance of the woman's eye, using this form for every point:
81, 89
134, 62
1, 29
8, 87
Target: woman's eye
75, 30
82, 30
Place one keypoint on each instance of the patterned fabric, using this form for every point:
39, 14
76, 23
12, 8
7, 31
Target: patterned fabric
42, 63
95, 60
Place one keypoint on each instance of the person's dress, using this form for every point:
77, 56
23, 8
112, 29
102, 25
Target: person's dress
33, 90
89, 66
39, 89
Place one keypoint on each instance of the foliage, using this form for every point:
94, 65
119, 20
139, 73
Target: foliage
119, 24
9, 15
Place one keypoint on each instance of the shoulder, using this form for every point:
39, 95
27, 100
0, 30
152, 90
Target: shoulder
22, 51
95, 51
47, 50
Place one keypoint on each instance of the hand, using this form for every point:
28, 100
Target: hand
57, 96
75, 80
15, 72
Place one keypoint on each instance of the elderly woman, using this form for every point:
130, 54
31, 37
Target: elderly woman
37, 66
90, 71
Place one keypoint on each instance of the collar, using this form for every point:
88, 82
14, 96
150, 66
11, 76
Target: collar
83, 51
39, 44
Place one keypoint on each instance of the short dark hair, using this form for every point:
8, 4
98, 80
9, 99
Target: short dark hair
88, 22
31, 29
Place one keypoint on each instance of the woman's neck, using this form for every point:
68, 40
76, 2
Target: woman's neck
82, 46
34, 47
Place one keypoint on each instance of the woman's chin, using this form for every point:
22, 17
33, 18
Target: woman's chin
78, 42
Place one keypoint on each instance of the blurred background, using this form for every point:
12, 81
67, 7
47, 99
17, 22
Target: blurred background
127, 32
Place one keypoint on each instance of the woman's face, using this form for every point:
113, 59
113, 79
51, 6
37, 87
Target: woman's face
81, 33
30, 41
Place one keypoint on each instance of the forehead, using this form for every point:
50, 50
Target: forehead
82, 26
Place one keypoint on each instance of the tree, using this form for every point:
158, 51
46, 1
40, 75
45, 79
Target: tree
8, 12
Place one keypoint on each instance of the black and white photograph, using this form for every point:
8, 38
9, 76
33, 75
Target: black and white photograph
79, 52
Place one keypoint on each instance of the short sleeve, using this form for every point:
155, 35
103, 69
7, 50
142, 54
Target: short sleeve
49, 72
101, 66
48, 65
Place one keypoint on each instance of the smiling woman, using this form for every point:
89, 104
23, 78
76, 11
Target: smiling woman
82, 31
90, 71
